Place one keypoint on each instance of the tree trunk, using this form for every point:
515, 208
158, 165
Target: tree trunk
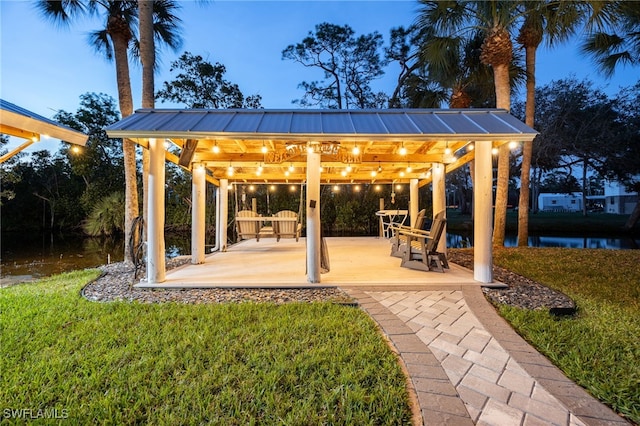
148, 59
527, 150
503, 100
125, 98
584, 188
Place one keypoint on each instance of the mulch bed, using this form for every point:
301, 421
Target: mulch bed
522, 292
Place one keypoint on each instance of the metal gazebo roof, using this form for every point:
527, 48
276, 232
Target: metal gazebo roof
357, 145
22, 123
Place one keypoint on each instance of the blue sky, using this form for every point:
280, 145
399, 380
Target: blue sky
45, 68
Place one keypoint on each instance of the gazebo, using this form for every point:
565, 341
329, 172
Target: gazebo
21, 123
414, 146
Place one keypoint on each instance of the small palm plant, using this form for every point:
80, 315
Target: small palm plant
106, 217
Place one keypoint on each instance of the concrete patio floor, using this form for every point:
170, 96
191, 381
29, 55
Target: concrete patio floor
354, 261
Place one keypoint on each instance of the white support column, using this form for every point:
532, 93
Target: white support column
414, 202
155, 226
439, 195
199, 197
223, 214
483, 214
216, 245
313, 217
381, 218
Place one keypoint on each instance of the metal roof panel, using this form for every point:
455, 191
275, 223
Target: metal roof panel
430, 123
183, 120
399, 123
491, 123
276, 122
368, 123
306, 122
336, 122
246, 122
459, 123
216, 122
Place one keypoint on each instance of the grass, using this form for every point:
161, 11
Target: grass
131, 363
599, 348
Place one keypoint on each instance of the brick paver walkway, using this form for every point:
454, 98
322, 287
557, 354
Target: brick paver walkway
467, 366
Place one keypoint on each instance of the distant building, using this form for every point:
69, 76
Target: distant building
617, 200
556, 202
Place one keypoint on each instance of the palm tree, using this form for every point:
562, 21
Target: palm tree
615, 39
494, 18
148, 60
454, 64
115, 41
557, 21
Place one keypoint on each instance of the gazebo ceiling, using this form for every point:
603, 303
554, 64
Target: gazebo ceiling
356, 145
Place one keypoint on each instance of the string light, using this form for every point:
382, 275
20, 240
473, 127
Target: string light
264, 148
355, 150
403, 150
230, 170
216, 148
409, 168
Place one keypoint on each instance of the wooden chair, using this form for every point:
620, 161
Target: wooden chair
251, 228
287, 228
397, 247
422, 248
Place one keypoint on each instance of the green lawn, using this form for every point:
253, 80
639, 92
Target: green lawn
130, 363
600, 347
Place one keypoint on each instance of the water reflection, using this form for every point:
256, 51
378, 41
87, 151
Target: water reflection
619, 243
29, 257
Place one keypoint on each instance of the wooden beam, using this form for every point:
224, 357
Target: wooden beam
16, 150
19, 133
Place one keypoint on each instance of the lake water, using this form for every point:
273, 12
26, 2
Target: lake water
26, 258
